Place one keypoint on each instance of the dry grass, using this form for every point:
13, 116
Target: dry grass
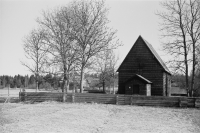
53, 117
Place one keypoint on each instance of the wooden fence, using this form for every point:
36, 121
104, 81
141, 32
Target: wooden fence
9, 99
111, 99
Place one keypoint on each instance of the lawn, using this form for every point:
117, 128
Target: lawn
53, 117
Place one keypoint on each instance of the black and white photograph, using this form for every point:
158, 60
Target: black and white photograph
99, 66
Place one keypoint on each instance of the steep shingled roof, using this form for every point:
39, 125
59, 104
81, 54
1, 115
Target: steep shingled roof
157, 56
154, 53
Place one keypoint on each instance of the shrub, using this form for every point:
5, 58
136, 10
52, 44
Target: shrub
32, 86
46, 86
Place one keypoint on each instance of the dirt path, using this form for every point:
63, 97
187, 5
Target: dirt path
53, 117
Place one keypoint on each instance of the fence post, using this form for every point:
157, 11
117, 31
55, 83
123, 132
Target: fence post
117, 100
96, 99
183, 102
72, 98
64, 97
19, 96
197, 103
24, 96
131, 100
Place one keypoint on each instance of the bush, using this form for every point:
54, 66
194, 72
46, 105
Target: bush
46, 86
32, 86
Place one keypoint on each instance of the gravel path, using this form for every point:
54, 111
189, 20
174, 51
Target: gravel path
53, 117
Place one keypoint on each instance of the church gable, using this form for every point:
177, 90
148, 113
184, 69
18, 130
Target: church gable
143, 60
140, 58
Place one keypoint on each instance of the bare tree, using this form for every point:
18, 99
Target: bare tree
198, 58
193, 29
174, 30
57, 25
106, 65
103, 67
114, 65
181, 24
36, 51
90, 30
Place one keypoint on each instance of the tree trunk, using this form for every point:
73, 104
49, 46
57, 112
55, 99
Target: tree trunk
113, 86
185, 51
186, 73
82, 78
193, 69
73, 81
104, 86
62, 87
64, 92
37, 69
113, 80
64, 83
36, 75
67, 85
37, 86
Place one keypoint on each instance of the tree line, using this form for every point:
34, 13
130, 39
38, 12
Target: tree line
53, 82
72, 39
18, 81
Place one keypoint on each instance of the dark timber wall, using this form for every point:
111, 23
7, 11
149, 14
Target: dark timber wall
140, 60
142, 87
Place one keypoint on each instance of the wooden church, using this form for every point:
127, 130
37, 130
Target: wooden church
143, 72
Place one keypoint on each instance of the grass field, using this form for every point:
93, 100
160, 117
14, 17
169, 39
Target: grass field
53, 117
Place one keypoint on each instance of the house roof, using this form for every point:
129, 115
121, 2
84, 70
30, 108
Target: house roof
153, 52
157, 56
140, 77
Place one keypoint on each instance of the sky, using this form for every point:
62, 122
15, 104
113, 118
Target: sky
130, 18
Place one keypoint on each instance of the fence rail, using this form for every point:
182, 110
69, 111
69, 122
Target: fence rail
9, 99
111, 99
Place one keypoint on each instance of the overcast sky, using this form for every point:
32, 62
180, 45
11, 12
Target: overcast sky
130, 18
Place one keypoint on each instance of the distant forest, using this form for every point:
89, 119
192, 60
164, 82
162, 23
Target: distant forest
19, 81
179, 80
50, 81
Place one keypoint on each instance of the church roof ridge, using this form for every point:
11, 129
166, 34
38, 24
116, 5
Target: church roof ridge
153, 52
